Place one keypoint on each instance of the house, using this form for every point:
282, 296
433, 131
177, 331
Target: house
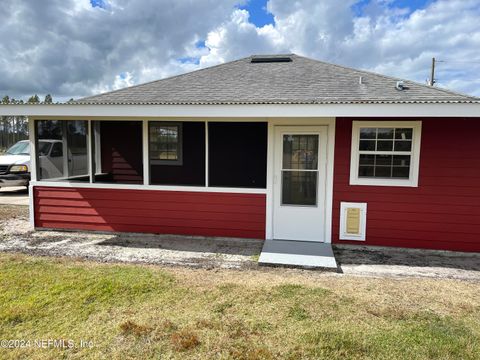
296, 151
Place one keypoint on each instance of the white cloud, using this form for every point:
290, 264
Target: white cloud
69, 49
393, 41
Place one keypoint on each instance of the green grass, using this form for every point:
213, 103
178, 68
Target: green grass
132, 311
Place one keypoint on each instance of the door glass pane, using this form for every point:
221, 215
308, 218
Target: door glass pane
299, 187
300, 152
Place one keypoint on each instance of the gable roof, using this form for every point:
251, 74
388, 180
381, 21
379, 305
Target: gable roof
277, 79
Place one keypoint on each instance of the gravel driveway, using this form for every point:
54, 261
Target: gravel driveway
16, 235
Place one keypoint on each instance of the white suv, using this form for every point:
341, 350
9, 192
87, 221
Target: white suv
15, 163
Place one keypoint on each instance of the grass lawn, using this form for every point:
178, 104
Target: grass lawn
134, 311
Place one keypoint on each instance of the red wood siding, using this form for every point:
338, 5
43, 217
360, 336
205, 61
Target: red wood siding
442, 213
149, 211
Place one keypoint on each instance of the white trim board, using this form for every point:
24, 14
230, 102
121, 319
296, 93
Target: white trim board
147, 187
33, 171
235, 111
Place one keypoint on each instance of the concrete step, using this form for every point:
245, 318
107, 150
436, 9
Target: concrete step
309, 254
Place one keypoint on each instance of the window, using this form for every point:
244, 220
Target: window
385, 153
165, 143
300, 170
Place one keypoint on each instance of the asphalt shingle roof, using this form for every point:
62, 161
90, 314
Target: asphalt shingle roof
299, 81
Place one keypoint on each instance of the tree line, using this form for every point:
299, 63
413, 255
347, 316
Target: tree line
15, 128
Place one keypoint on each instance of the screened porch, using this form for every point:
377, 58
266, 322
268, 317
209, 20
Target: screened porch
138, 153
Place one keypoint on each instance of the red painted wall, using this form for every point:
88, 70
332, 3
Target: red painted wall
442, 213
160, 212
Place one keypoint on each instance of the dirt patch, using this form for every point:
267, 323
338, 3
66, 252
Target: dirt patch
17, 235
13, 211
399, 262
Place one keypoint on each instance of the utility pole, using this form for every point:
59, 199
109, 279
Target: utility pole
432, 76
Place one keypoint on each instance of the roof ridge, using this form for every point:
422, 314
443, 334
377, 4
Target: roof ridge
163, 79
448, 91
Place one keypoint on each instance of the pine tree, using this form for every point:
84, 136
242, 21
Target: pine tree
33, 99
48, 99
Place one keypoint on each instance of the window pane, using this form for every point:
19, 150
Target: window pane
300, 152
299, 187
368, 133
401, 145
383, 160
401, 172
365, 171
383, 171
367, 159
401, 160
384, 145
367, 145
385, 133
403, 134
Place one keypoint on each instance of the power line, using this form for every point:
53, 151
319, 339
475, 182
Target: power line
459, 61
433, 80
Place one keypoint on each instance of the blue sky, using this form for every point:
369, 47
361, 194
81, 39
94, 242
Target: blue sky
97, 3
258, 12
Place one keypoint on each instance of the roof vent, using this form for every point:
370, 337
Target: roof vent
400, 86
270, 59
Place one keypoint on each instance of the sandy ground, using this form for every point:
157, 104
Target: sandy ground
14, 196
16, 235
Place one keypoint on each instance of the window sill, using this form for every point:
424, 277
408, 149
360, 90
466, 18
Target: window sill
384, 182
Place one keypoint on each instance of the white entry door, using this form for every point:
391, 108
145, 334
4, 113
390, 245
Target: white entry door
300, 163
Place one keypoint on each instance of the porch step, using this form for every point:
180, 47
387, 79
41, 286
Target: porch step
298, 253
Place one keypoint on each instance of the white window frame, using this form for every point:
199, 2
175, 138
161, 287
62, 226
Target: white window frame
412, 181
173, 162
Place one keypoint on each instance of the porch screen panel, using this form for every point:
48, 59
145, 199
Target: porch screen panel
177, 153
238, 154
62, 153
118, 152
